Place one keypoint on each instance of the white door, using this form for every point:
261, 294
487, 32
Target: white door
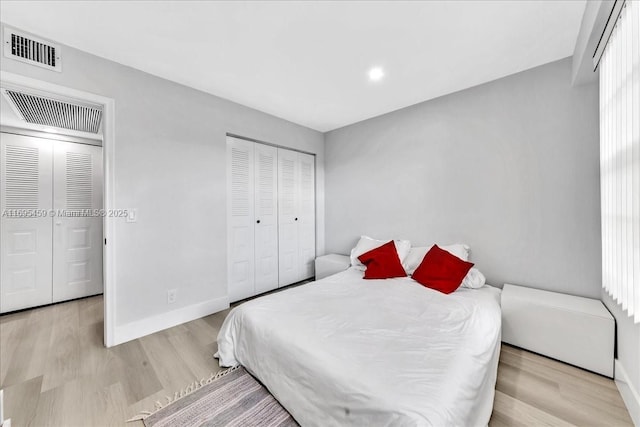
288, 257
240, 218
77, 226
266, 218
306, 215
25, 225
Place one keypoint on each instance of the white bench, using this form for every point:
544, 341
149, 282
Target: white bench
575, 330
326, 265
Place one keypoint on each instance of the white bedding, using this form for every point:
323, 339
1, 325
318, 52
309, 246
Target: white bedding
348, 351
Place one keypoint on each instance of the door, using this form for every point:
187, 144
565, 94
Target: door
77, 226
266, 218
306, 215
289, 271
240, 219
25, 225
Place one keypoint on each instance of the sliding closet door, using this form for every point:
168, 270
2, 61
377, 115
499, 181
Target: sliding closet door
306, 215
25, 225
240, 218
288, 189
77, 229
266, 215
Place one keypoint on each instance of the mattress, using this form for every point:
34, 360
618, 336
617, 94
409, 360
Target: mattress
348, 351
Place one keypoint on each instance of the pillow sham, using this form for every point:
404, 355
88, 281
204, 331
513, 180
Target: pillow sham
416, 255
442, 271
382, 262
474, 279
366, 243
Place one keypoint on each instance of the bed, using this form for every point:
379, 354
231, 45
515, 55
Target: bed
348, 351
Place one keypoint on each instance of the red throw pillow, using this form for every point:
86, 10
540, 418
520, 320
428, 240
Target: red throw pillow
442, 271
382, 262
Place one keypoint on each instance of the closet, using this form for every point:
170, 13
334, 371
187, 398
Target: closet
51, 224
270, 217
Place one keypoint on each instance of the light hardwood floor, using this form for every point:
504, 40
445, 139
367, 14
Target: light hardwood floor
56, 372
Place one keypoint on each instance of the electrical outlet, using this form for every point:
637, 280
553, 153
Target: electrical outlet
171, 296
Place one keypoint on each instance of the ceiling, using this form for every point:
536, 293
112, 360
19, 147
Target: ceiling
307, 61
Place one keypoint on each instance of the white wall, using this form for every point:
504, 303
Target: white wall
509, 167
170, 164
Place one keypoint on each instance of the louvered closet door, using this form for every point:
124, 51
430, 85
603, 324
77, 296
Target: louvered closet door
306, 215
25, 191
288, 256
77, 229
240, 219
266, 214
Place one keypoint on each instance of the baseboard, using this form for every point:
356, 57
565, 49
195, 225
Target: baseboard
140, 328
628, 392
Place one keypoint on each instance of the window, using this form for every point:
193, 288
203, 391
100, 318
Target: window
620, 160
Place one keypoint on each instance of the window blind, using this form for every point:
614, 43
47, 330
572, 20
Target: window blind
620, 160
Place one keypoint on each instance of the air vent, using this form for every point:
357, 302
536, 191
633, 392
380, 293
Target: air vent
47, 111
27, 48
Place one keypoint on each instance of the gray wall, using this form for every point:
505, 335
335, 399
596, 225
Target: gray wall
170, 164
510, 167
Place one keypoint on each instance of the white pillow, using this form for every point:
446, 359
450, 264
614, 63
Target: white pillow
474, 279
367, 243
416, 255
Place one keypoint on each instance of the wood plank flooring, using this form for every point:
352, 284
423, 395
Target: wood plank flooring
56, 372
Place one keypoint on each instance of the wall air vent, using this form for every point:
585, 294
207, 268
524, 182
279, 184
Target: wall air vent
32, 50
61, 113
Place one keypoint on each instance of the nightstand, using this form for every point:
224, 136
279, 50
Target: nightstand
326, 265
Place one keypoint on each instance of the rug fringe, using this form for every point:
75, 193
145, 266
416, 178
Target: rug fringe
195, 385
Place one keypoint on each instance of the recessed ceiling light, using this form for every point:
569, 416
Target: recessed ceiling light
376, 74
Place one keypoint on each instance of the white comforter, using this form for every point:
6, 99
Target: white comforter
348, 351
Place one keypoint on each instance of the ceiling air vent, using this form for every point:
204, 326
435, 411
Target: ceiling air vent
60, 113
32, 50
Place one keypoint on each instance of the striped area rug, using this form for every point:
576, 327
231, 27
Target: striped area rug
231, 398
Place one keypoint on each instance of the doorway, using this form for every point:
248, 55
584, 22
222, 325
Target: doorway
106, 163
